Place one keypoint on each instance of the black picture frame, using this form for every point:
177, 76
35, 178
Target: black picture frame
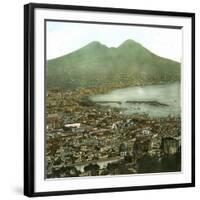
29, 94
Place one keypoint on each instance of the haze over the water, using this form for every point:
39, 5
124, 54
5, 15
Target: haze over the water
168, 94
66, 37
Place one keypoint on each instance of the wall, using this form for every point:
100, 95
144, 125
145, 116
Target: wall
11, 106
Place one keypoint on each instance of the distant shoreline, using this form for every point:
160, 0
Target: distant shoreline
153, 103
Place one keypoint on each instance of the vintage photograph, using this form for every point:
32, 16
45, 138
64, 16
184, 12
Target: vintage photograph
112, 99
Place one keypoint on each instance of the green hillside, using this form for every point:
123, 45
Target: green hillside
96, 64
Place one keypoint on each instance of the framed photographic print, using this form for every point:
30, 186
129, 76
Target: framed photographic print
108, 99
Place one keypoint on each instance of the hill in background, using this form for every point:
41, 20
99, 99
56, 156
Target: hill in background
96, 64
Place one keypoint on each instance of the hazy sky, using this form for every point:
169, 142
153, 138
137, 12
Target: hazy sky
65, 37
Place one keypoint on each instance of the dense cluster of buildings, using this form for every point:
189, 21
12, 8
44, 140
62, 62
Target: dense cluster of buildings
84, 139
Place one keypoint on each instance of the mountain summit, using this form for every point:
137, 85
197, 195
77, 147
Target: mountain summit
96, 64
129, 43
95, 44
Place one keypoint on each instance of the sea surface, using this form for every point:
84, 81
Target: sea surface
155, 100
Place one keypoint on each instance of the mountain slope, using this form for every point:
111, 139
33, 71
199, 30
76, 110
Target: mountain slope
96, 64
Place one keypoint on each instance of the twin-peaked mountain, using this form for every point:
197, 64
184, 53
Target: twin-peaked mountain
96, 64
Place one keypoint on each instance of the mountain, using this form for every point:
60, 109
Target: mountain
96, 64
